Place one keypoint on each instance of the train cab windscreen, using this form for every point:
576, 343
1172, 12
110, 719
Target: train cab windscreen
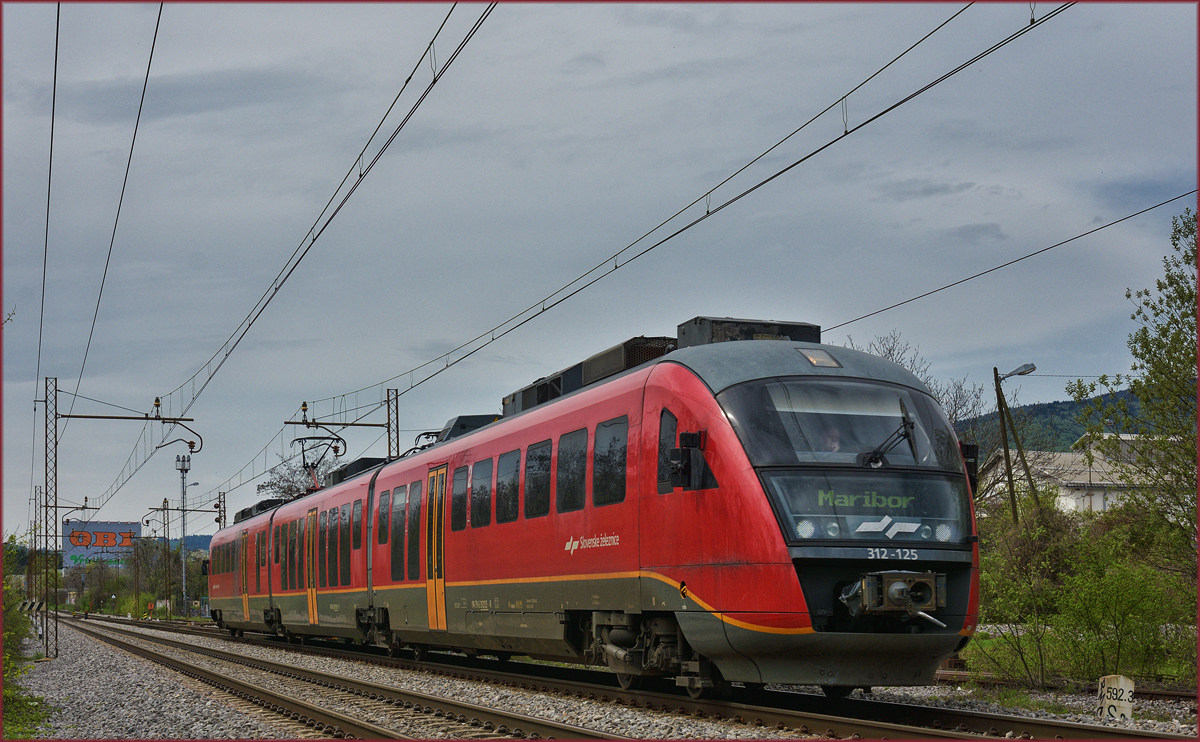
853, 460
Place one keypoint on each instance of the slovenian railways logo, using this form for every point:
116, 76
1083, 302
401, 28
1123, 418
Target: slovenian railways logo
592, 542
879, 526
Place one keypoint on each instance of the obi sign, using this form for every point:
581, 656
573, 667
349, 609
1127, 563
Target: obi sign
97, 542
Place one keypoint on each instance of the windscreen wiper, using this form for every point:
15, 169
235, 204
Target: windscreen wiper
874, 458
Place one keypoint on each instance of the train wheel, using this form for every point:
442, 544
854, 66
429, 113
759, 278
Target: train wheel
232, 632
837, 692
420, 654
628, 681
503, 656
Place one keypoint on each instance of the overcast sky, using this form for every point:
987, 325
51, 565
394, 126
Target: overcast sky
559, 135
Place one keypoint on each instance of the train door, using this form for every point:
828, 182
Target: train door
310, 565
435, 557
244, 571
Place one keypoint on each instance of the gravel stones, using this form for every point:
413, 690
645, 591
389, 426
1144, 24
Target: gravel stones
105, 693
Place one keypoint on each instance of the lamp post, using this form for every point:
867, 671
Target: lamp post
183, 464
1003, 413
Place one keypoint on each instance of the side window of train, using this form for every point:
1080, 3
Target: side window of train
481, 493
414, 533
344, 556
508, 475
570, 493
358, 525
666, 441
385, 512
301, 557
332, 546
292, 556
458, 500
399, 499
609, 461
283, 557
537, 480
276, 542
322, 532
258, 550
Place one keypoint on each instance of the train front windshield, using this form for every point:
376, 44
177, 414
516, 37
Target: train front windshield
853, 460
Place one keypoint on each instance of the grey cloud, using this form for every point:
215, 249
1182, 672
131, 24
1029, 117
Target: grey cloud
973, 234
584, 63
186, 94
1131, 194
915, 188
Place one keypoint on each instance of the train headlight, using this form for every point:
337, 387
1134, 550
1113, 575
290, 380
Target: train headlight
806, 529
925, 532
832, 529
944, 532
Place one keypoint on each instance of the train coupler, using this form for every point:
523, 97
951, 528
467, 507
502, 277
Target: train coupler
897, 591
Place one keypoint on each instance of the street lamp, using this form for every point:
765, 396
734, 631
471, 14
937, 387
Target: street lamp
1002, 413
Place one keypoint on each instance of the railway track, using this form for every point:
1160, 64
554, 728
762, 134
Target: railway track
312, 698
798, 712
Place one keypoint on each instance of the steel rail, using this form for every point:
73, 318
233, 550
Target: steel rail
505, 722
337, 724
780, 709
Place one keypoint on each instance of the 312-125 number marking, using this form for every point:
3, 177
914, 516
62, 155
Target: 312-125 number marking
909, 554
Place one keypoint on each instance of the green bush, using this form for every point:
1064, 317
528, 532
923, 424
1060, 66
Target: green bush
1063, 599
24, 715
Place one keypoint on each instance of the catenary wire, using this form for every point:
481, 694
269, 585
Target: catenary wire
120, 201
310, 237
445, 361
547, 304
37, 374
666, 221
371, 407
1011, 262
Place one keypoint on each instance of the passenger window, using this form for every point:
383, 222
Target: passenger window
358, 524
322, 532
276, 542
333, 547
414, 523
301, 555
609, 461
385, 511
344, 556
666, 441
399, 498
481, 493
458, 500
570, 494
537, 480
291, 528
508, 471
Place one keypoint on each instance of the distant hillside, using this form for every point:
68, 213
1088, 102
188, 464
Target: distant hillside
194, 543
1057, 419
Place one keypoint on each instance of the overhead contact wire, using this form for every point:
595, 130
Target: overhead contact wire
546, 304
37, 374
299, 254
116, 221
1012, 262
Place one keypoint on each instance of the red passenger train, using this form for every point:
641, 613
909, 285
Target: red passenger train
764, 511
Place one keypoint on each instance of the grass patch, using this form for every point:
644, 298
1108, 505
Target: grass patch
25, 715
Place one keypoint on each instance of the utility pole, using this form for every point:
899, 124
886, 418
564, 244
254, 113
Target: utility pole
183, 464
167, 553
1003, 414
